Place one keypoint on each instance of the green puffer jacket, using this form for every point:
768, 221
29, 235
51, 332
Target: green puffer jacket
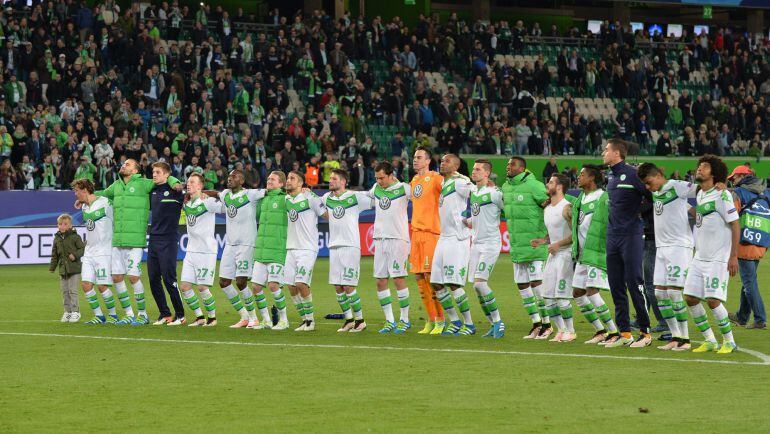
594, 252
131, 208
270, 246
523, 196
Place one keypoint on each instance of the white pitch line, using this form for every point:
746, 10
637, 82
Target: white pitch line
765, 359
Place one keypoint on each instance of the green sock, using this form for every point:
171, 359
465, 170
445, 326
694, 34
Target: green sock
280, 299
209, 304
93, 301
355, 304
307, 305
248, 299
261, 300
109, 301
297, 300
342, 300
483, 304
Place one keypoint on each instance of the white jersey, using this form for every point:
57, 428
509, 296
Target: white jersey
390, 218
201, 215
715, 212
672, 225
302, 231
558, 227
241, 210
98, 220
343, 217
452, 204
486, 209
586, 214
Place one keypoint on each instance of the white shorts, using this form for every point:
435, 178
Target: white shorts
587, 276
127, 260
671, 264
482, 260
450, 262
525, 272
96, 269
391, 258
199, 268
344, 266
707, 280
559, 269
266, 273
236, 261
299, 266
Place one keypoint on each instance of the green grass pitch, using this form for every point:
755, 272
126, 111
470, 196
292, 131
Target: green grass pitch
77, 378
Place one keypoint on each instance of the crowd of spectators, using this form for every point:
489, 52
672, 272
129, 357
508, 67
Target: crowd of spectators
85, 87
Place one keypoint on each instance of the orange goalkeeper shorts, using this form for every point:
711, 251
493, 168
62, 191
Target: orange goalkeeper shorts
421, 256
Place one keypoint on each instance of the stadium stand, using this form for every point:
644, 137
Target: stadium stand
86, 87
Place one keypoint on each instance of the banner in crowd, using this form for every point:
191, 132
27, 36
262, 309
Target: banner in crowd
32, 245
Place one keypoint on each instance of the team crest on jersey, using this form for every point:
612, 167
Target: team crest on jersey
520, 198
90, 224
131, 189
232, 211
293, 215
698, 220
191, 219
275, 205
658, 207
475, 209
384, 202
165, 193
417, 190
623, 177
338, 212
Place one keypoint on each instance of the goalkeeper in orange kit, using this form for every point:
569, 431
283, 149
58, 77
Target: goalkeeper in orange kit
426, 228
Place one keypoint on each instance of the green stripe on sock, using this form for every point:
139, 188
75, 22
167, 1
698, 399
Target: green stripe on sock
93, 301
261, 300
589, 312
109, 301
702, 322
140, 303
342, 300
725, 326
666, 308
446, 301
125, 301
236, 302
462, 303
386, 301
566, 313
530, 305
209, 304
403, 302
308, 307
355, 302
280, 300
193, 302
604, 313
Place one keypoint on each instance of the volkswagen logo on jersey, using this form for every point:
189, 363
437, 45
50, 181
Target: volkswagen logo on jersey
90, 224
475, 209
658, 207
232, 211
384, 202
338, 212
417, 190
191, 219
698, 220
293, 215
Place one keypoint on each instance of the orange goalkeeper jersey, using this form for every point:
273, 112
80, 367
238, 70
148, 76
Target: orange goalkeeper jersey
426, 190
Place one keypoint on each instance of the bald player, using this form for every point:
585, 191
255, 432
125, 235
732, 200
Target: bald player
426, 227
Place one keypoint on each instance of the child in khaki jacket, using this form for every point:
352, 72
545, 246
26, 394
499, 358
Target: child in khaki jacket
67, 250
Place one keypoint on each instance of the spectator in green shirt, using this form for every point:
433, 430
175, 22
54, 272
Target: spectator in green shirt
210, 177
86, 170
